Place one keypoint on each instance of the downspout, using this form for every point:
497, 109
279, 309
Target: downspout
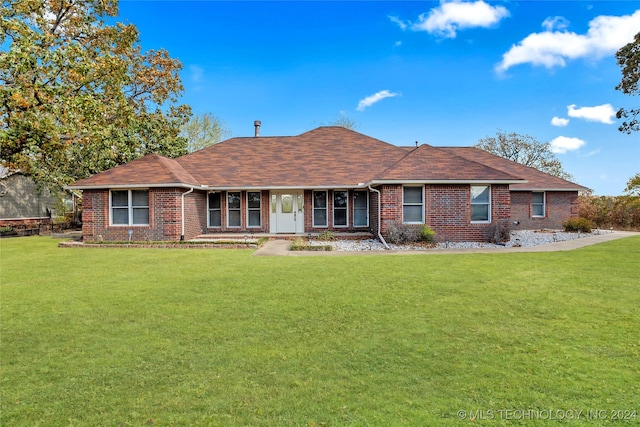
184, 194
379, 217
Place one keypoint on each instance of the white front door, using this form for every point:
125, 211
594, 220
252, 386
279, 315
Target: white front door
287, 213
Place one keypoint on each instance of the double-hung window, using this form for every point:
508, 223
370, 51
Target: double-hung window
233, 209
320, 209
413, 205
215, 210
480, 203
537, 204
130, 207
340, 208
253, 209
360, 209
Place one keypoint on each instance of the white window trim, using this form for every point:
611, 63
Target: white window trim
488, 220
366, 193
209, 209
544, 204
313, 210
238, 209
346, 209
421, 204
129, 209
259, 209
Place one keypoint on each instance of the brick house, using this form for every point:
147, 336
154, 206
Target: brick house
329, 178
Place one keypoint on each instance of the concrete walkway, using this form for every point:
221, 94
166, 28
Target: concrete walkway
281, 247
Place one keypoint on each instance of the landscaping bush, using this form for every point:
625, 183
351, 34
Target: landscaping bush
300, 245
500, 232
621, 212
398, 233
582, 225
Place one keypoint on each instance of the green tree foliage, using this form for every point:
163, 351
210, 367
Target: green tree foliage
204, 130
526, 150
628, 58
633, 185
77, 95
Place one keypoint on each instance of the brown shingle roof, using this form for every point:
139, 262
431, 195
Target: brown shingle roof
326, 157
427, 163
536, 180
152, 170
323, 157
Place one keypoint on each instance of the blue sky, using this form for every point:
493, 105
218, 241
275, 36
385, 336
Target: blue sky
442, 73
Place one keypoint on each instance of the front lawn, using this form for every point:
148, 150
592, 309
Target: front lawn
196, 337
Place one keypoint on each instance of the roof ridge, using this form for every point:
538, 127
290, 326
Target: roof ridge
163, 160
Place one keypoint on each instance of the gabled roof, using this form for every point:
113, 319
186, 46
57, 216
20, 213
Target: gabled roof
326, 157
323, 157
431, 164
537, 180
152, 170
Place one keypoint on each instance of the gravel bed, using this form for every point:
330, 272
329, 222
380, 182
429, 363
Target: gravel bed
523, 238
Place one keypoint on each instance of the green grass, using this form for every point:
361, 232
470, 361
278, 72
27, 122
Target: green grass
165, 337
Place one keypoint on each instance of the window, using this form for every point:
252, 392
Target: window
215, 210
360, 209
537, 204
130, 207
480, 203
412, 205
233, 209
319, 208
253, 209
340, 208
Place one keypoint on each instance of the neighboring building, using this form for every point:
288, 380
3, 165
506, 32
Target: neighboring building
22, 204
330, 178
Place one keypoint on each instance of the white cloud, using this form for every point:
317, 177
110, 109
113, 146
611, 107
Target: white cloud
559, 121
372, 99
562, 144
451, 16
197, 73
398, 43
555, 23
403, 25
550, 48
600, 113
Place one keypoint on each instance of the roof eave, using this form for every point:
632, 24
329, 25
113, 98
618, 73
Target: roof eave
447, 181
131, 186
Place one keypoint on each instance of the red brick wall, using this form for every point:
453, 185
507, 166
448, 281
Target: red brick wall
560, 205
448, 210
165, 217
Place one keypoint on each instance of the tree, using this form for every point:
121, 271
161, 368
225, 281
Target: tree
204, 130
628, 58
344, 121
526, 150
633, 185
77, 95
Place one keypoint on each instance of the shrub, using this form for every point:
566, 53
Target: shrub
399, 233
578, 225
427, 234
326, 236
500, 232
300, 245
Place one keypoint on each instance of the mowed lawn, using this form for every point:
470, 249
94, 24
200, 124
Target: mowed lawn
197, 337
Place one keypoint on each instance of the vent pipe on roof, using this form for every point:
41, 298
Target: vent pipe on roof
257, 124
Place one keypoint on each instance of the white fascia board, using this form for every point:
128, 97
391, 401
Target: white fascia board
546, 189
279, 187
130, 186
451, 181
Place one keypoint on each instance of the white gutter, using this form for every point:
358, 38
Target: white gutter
184, 194
379, 220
